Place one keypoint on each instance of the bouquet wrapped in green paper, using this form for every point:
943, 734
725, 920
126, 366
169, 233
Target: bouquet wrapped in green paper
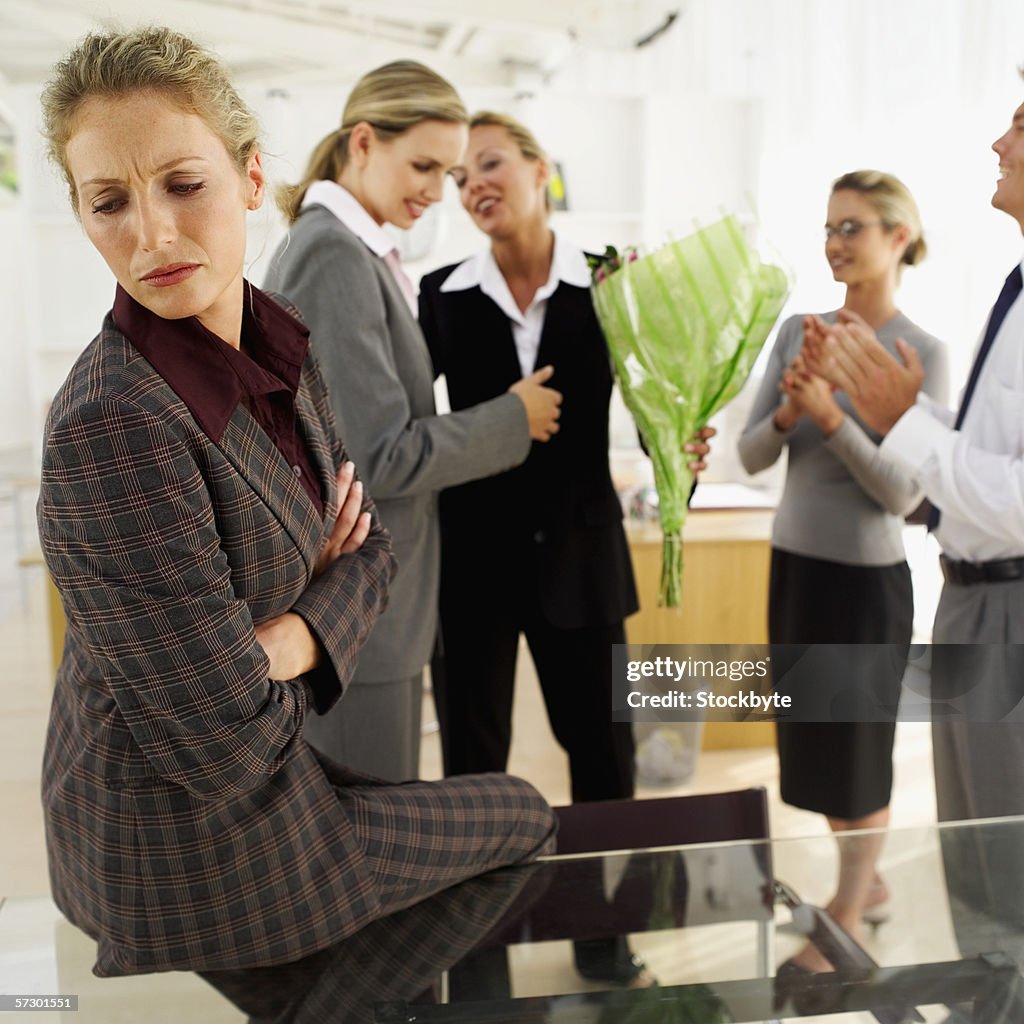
684, 325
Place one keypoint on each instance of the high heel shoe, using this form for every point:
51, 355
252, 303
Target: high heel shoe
790, 990
879, 908
874, 917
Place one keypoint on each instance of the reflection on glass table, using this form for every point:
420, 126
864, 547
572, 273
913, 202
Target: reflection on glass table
952, 949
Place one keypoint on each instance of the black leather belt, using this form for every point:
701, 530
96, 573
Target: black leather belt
1001, 570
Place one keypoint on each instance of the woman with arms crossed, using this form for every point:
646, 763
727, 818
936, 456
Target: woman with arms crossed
838, 572
219, 566
402, 130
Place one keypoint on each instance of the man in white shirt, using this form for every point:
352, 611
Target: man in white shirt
971, 465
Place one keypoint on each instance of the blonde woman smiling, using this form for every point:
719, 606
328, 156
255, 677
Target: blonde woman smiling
838, 572
402, 130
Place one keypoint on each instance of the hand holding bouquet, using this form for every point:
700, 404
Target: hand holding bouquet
684, 325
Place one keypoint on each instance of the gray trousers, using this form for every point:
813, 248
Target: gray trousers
373, 729
979, 759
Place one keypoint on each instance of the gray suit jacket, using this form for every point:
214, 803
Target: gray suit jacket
380, 383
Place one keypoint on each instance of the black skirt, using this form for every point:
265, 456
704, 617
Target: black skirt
841, 769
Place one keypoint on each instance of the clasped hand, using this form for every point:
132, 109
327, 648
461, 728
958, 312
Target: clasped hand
850, 356
287, 641
807, 393
543, 404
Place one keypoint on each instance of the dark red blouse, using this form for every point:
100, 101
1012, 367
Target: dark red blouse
211, 377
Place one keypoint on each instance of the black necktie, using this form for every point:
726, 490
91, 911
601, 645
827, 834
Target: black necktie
1007, 297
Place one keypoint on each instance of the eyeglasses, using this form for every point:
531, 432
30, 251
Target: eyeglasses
848, 229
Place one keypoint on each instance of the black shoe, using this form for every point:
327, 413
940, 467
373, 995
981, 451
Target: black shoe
609, 961
790, 989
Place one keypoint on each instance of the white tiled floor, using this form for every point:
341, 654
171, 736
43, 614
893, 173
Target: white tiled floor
31, 932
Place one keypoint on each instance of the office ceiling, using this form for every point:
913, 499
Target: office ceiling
480, 41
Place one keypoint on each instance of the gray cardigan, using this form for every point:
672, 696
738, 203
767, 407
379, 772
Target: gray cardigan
843, 500
380, 385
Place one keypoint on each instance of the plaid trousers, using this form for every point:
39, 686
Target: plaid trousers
421, 840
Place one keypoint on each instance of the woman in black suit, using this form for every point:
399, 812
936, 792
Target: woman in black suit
540, 549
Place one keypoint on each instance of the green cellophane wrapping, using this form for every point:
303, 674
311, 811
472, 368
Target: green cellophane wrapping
684, 325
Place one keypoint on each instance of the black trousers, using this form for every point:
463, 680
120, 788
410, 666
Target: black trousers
474, 680
483, 613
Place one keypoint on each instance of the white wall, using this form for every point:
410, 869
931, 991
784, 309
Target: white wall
59, 287
15, 411
919, 88
768, 99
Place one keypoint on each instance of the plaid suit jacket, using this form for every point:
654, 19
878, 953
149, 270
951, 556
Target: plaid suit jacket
188, 825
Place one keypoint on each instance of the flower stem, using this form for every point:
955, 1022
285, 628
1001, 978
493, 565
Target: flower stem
670, 593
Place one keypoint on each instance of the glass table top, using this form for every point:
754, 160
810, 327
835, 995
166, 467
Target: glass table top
709, 920
712, 922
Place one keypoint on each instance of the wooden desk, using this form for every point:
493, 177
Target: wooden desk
726, 558
58, 624
54, 609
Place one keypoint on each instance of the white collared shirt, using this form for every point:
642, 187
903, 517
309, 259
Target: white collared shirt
481, 271
339, 201
351, 213
975, 475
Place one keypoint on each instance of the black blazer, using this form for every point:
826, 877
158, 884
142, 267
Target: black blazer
561, 498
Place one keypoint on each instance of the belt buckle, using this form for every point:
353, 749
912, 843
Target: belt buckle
960, 573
